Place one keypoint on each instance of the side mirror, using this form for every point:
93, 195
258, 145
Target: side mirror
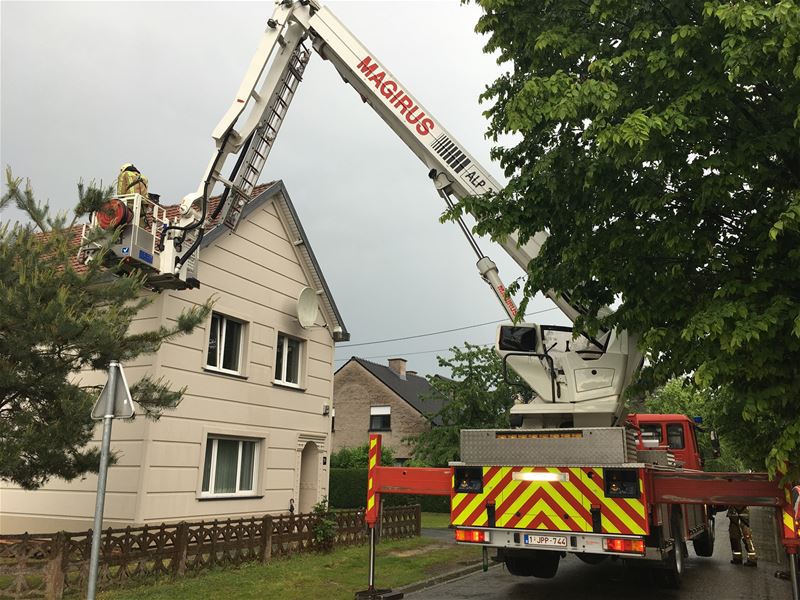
715, 447
518, 338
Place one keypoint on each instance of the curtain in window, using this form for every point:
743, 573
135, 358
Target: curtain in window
292, 360
279, 358
213, 340
227, 462
248, 460
233, 338
207, 465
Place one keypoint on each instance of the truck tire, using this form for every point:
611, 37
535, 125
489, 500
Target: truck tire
533, 563
704, 543
672, 572
590, 559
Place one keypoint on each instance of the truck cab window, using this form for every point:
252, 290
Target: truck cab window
675, 438
652, 431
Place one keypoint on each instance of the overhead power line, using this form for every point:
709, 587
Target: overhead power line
409, 353
422, 335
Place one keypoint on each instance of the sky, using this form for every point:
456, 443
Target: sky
88, 86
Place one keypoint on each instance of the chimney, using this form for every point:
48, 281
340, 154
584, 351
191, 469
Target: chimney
411, 372
398, 365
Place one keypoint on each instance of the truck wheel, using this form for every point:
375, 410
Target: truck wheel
546, 564
533, 563
704, 543
591, 559
673, 571
519, 566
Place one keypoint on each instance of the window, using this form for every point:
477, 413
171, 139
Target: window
224, 344
380, 418
287, 360
675, 436
230, 467
651, 432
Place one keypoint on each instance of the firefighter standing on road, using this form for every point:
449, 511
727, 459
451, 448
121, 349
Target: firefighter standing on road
740, 530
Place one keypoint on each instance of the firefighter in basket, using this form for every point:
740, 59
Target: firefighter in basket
738, 532
131, 181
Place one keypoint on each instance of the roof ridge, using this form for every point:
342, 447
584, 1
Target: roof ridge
387, 367
257, 190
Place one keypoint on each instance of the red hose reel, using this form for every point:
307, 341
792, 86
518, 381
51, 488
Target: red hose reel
114, 213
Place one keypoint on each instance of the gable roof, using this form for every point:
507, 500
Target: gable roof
276, 192
415, 390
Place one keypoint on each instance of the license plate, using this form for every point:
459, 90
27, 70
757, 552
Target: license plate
558, 541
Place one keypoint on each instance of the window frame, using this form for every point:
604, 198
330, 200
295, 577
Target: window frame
653, 428
212, 439
282, 340
680, 428
220, 356
381, 412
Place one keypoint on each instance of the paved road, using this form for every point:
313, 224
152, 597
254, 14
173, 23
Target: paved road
704, 579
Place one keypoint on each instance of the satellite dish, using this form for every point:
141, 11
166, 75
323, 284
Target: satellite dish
307, 307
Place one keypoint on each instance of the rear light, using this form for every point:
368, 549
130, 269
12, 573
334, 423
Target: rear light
623, 545
472, 535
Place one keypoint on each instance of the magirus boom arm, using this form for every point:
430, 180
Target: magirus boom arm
251, 124
577, 381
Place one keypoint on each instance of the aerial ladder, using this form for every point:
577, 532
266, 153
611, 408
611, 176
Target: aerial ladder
578, 380
246, 134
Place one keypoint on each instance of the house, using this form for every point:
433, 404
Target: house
386, 399
252, 434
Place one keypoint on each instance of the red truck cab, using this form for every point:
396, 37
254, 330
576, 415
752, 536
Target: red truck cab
678, 433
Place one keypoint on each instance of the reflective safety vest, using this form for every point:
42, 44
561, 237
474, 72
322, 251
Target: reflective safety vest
131, 182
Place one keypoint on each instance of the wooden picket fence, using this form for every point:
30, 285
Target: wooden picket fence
51, 565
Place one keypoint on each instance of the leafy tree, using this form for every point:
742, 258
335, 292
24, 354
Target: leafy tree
680, 396
478, 396
657, 143
358, 457
57, 320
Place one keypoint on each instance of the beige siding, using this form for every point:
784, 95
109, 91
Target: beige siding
356, 390
63, 504
255, 277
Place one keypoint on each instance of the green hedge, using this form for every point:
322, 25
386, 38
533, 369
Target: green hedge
348, 489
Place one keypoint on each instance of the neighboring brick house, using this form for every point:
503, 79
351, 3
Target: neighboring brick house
252, 434
368, 397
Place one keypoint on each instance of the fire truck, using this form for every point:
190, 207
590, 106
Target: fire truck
574, 473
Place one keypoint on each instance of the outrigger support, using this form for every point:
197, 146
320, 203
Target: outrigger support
394, 480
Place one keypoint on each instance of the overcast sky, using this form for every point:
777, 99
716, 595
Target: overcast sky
87, 86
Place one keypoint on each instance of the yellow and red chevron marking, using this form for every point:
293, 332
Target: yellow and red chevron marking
619, 515
556, 506
371, 516
789, 531
791, 526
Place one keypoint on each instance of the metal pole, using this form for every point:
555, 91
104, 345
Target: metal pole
793, 576
371, 559
94, 558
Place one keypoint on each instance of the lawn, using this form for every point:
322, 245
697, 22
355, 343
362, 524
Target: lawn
431, 520
331, 576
